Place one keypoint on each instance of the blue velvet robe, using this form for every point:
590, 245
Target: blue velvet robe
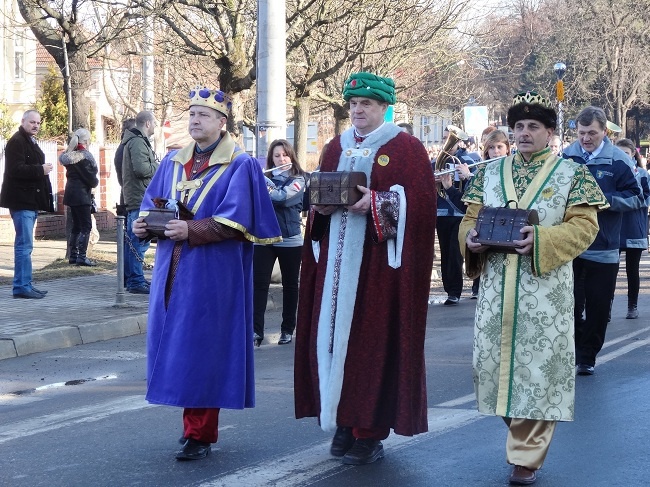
200, 349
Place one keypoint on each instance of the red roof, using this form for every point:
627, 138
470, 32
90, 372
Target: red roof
44, 59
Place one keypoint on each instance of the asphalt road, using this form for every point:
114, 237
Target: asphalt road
77, 417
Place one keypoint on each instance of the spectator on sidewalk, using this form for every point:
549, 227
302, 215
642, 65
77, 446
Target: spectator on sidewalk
81, 178
139, 164
523, 336
200, 325
127, 124
286, 187
364, 285
26, 190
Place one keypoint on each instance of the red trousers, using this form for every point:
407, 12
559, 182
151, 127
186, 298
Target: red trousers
371, 434
201, 424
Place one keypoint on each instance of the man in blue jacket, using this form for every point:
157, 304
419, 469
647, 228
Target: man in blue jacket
595, 269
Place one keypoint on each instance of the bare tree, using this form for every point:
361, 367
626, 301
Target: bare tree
71, 34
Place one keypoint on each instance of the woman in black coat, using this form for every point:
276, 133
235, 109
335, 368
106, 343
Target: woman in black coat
81, 178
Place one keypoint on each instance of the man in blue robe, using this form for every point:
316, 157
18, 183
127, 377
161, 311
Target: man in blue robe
200, 326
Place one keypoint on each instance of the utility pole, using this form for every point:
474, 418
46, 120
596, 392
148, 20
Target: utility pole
147, 64
271, 65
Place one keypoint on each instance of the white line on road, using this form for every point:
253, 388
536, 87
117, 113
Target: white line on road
303, 465
622, 351
614, 341
87, 414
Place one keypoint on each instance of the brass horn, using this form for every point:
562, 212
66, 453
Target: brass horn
612, 129
444, 156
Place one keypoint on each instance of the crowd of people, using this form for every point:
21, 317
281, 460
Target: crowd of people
356, 280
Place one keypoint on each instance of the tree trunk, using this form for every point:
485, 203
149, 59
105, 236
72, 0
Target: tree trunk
80, 79
300, 123
341, 119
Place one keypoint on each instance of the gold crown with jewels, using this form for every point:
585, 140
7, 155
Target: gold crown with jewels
215, 99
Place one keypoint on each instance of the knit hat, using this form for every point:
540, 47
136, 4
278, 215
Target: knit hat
370, 85
214, 99
531, 105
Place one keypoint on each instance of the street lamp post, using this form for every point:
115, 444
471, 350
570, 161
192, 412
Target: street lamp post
560, 69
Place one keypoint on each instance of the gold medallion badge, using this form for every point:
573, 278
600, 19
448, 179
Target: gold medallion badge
383, 160
548, 192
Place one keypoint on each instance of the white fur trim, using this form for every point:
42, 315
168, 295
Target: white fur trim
395, 245
315, 249
331, 365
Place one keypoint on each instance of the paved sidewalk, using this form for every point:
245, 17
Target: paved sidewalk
76, 310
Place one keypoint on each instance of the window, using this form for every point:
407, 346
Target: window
19, 54
19, 65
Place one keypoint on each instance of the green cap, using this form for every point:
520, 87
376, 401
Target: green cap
370, 85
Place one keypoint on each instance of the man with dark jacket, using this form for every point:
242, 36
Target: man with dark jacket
127, 124
26, 190
595, 269
138, 167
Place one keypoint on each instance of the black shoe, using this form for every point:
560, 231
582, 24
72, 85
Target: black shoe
31, 294
474, 295
39, 291
522, 476
182, 440
342, 441
85, 262
285, 338
632, 312
364, 451
193, 450
451, 300
257, 340
139, 290
584, 369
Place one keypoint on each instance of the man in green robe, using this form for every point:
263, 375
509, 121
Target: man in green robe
524, 355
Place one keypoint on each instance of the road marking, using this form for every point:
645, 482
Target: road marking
622, 351
87, 414
100, 355
457, 402
305, 464
610, 343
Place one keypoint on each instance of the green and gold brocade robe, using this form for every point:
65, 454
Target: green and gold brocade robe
524, 357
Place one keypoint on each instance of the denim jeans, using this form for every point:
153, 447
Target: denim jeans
24, 221
133, 257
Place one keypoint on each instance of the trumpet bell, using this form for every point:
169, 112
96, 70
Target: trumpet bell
612, 127
458, 132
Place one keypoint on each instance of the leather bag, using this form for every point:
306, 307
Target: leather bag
336, 188
164, 211
498, 227
157, 219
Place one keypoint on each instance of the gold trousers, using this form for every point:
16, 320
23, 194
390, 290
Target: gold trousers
528, 441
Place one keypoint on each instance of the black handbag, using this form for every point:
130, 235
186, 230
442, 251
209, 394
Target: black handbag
496, 228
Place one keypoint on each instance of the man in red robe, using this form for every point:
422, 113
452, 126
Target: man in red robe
364, 285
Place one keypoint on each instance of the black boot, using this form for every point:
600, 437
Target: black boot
82, 242
74, 248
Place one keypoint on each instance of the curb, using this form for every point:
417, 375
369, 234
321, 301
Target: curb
69, 336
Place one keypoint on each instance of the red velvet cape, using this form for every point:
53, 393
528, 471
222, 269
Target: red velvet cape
384, 376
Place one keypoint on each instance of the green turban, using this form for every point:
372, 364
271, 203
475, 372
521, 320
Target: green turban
370, 85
